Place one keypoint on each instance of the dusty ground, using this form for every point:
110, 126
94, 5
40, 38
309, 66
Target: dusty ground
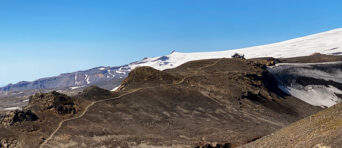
323, 129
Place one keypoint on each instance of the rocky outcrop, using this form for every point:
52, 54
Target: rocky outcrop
143, 75
18, 116
226, 145
60, 103
268, 61
94, 92
9, 143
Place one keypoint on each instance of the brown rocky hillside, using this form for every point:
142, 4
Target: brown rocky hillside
211, 101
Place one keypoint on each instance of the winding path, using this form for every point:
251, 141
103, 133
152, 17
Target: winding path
83, 113
93, 103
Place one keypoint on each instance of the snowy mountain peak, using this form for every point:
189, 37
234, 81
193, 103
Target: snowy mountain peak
329, 42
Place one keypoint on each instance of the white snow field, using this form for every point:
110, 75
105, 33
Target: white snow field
317, 95
329, 42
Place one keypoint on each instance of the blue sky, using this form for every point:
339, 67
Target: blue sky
40, 38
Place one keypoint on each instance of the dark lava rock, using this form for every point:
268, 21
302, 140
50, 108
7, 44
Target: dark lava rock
17, 116
58, 102
142, 75
94, 92
8, 143
226, 145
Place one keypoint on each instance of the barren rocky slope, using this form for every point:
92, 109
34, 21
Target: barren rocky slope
32, 125
211, 101
225, 101
323, 129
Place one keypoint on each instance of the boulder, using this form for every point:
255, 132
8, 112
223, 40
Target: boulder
55, 101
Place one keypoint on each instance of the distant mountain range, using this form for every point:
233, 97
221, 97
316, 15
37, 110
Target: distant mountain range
72, 80
110, 77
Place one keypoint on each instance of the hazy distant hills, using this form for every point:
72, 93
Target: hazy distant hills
72, 80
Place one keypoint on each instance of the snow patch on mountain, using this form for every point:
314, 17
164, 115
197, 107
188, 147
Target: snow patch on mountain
12, 108
122, 70
116, 88
317, 95
322, 85
110, 74
87, 79
76, 87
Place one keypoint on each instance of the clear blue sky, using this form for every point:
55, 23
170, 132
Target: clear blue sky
40, 38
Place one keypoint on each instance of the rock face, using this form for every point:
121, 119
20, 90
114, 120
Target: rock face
60, 103
17, 116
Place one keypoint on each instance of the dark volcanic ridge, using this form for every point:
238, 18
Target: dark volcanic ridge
110, 78
218, 101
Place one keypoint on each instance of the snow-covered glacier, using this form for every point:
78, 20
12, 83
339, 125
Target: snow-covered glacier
318, 84
329, 42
